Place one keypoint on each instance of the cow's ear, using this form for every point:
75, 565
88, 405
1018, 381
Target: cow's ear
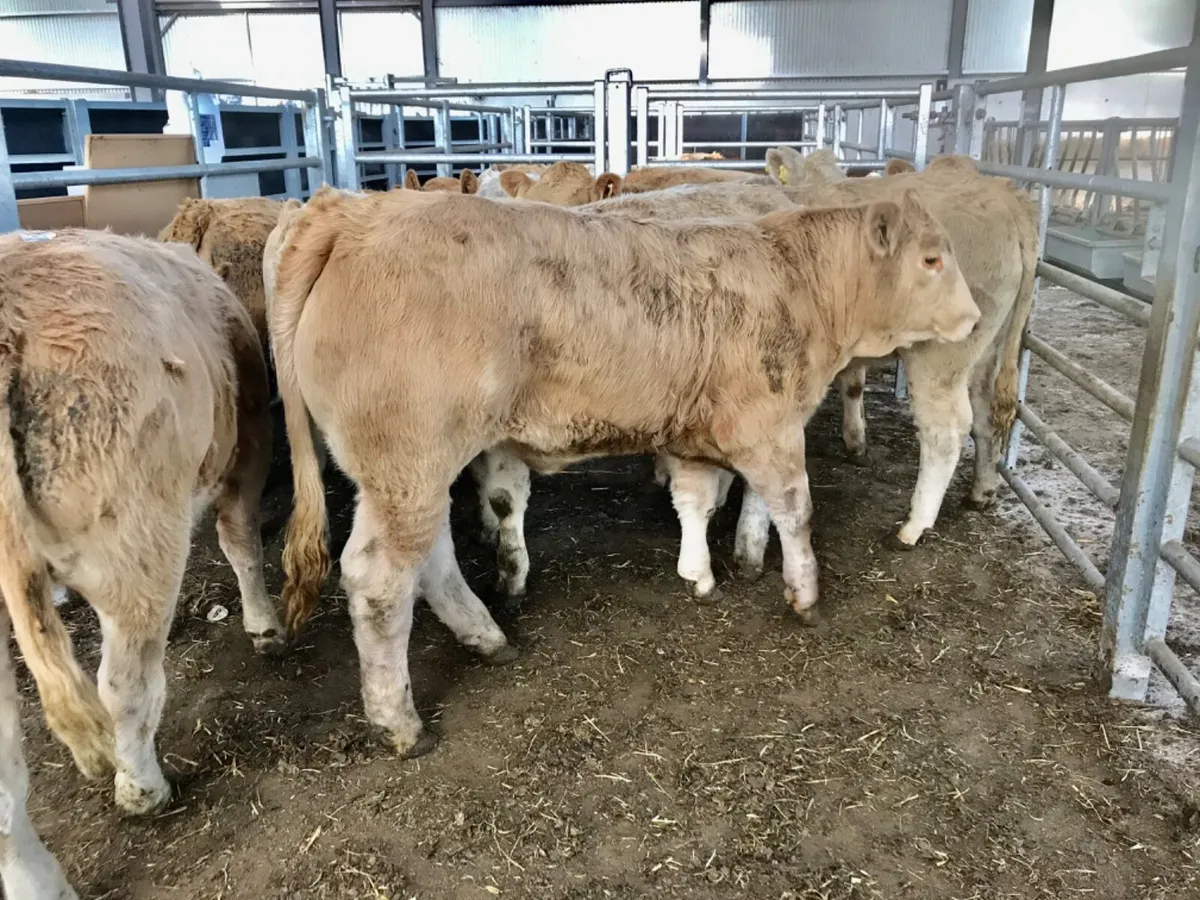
468, 182
898, 167
411, 181
607, 185
882, 226
515, 183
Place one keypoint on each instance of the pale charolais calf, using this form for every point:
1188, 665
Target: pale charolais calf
569, 336
563, 184
137, 392
489, 180
965, 387
465, 183
656, 178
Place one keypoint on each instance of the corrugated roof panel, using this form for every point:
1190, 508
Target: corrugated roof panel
822, 38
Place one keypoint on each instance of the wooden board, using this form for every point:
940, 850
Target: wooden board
144, 207
50, 213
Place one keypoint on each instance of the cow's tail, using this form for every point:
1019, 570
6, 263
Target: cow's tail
70, 699
306, 247
1004, 402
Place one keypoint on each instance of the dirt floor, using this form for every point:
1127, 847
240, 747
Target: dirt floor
941, 735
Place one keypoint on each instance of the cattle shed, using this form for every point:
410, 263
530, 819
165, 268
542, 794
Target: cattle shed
1011, 709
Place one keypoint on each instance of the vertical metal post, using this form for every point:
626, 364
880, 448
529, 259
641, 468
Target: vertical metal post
669, 140
142, 42
331, 47
661, 145
858, 132
964, 118
316, 141
680, 118
391, 141
1109, 150
921, 131
527, 129
746, 131
837, 130
1156, 487
343, 112
1035, 64
881, 152
9, 219
599, 94
291, 149
619, 84
1045, 207
442, 137
820, 136
77, 122
493, 130
197, 128
958, 40
641, 100
705, 22
508, 131
429, 47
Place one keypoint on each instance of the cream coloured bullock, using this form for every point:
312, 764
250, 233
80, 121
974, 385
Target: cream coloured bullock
465, 183
137, 393
570, 336
996, 226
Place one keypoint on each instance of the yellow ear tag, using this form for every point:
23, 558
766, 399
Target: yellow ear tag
783, 174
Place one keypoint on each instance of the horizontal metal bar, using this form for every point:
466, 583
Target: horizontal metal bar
22, 180
1101, 390
1178, 557
1157, 191
235, 152
708, 110
941, 96
1176, 672
742, 95
41, 159
712, 163
1071, 550
500, 89
1090, 124
22, 68
399, 98
562, 143
1097, 293
750, 143
404, 156
1101, 489
861, 148
1159, 61
896, 153
1189, 452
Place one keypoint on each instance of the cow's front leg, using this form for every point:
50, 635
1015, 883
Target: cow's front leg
695, 491
777, 474
943, 416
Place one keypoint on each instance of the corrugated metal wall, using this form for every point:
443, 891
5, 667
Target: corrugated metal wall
381, 43
763, 38
82, 32
569, 43
997, 36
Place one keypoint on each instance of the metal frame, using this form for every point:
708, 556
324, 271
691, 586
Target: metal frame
312, 104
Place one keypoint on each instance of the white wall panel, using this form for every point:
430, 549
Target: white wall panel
997, 37
375, 44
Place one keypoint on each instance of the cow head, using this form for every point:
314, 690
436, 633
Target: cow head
563, 184
898, 167
465, 183
189, 223
919, 293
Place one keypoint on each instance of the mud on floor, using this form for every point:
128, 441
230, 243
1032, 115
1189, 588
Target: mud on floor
941, 735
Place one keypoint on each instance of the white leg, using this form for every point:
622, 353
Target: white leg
753, 531
453, 602
662, 471
381, 607
694, 490
851, 383
489, 523
942, 423
777, 475
506, 495
27, 868
238, 531
724, 483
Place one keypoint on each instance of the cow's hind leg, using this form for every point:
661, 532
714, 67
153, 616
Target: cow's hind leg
851, 382
776, 473
505, 492
695, 489
753, 532
27, 868
239, 532
941, 405
489, 523
989, 445
456, 605
380, 567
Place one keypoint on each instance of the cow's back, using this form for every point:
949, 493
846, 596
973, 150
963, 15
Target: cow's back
233, 245
121, 369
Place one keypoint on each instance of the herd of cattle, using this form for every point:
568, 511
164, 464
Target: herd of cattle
697, 314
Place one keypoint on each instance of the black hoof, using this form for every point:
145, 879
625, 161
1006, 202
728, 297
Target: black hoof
748, 571
862, 459
502, 657
979, 505
425, 743
713, 596
892, 542
809, 618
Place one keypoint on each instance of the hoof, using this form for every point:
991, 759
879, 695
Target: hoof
749, 571
861, 458
715, 595
501, 657
513, 602
425, 743
979, 505
136, 800
269, 643
809, 618
892, 542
